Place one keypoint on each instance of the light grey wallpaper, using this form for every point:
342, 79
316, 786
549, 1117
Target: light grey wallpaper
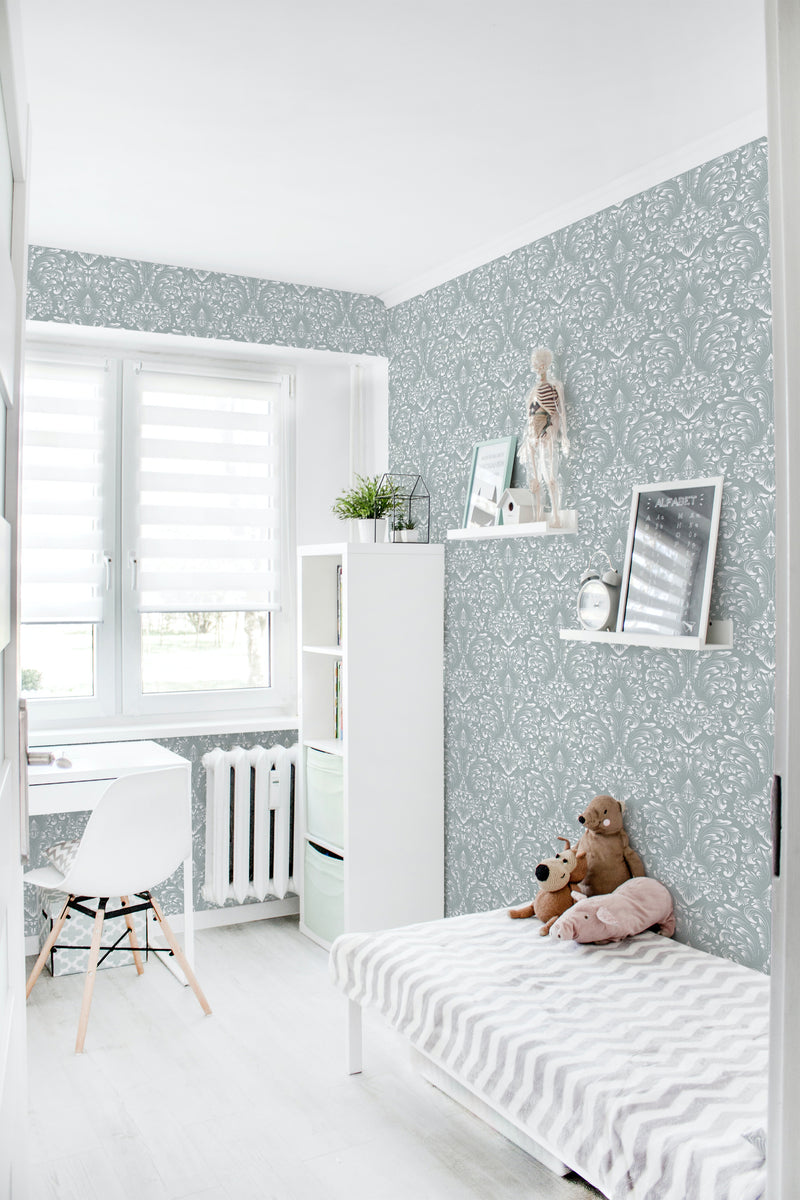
59, 827
120, 293
658, 311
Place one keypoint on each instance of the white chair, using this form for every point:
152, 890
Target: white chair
139, 832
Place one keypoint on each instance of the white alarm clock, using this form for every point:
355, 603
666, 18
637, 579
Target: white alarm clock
598, 599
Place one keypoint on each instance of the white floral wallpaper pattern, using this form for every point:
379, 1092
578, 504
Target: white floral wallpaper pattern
120, 293
658, 312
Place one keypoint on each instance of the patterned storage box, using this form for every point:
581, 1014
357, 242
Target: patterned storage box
71, 955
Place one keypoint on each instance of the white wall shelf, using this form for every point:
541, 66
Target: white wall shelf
333, 651
719, 637
530, 529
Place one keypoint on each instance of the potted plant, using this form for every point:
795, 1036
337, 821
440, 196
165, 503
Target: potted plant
405, 528
367, 503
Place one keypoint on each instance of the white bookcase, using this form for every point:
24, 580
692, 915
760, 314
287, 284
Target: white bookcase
387, 867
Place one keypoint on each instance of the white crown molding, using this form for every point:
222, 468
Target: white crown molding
655, 171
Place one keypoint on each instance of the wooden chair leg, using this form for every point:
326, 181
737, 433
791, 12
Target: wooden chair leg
94, 954
137, 958
180, 956
52, 937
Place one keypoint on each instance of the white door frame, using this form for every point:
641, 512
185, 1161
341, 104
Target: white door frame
783, 97
13, 273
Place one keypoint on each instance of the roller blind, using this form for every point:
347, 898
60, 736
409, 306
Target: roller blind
206, 527
65, 419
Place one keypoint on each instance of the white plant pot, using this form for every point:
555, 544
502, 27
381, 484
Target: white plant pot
371, 531
406, 535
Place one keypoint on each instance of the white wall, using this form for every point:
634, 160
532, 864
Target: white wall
331, 389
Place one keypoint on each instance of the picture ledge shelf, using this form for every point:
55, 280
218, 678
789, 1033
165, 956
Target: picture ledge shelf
529, 529
719, 637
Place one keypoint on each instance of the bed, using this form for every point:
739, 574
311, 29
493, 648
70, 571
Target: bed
640, 1065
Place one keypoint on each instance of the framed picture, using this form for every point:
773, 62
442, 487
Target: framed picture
669, 561
490, 475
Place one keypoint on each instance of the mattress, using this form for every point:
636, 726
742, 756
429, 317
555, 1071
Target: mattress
642, 1064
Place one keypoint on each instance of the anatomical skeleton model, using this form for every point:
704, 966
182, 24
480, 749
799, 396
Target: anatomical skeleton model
545, 435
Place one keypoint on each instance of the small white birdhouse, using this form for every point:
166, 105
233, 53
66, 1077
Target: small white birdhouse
516, 505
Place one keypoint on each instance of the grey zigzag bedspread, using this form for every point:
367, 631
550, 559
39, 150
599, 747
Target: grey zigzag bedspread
642, 1064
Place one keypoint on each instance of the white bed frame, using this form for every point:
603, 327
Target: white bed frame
436, 1075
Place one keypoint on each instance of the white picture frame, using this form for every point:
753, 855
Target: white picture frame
669, 559
490, 475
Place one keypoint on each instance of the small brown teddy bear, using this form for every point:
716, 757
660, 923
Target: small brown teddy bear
610, 858
556, 877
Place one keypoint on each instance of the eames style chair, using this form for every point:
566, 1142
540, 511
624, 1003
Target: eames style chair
137, 835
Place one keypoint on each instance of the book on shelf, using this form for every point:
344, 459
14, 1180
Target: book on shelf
339, 605
338, 723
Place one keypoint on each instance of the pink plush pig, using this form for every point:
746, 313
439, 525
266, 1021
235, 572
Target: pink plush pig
631, 908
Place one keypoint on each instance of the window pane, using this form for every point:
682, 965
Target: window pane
206, 651
57, 660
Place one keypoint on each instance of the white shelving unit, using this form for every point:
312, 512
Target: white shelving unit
527, 530
386, 866
719, 637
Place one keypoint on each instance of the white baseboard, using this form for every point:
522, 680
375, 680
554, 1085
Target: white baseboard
237, 914
210, 918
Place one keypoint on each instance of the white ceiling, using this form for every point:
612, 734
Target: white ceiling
378, 146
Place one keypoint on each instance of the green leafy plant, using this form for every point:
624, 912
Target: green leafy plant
400, 522
30, 680
367, 500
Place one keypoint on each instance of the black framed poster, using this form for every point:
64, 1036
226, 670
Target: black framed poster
669, 562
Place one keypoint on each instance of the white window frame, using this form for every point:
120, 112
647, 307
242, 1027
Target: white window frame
118, 696
54, 710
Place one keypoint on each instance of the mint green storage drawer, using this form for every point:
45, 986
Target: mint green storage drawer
325, 797
323, 893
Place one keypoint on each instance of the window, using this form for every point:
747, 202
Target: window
152, 538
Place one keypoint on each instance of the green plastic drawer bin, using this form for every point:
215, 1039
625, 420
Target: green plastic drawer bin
323, 893
325, 797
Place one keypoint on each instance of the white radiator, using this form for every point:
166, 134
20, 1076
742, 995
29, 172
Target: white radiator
249, 834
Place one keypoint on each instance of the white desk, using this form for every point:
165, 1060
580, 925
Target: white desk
77, 788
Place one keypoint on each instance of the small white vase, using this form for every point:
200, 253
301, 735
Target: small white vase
371, 531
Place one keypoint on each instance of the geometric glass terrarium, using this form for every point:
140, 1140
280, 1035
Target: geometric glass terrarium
410, 513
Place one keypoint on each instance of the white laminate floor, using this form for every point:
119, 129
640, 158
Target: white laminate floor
253, 1102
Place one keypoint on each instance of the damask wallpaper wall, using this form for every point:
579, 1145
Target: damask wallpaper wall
658, 312
120, 293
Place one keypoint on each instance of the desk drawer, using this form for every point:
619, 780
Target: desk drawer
64, 797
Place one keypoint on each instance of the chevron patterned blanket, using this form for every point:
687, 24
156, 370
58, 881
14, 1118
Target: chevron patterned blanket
642, 1065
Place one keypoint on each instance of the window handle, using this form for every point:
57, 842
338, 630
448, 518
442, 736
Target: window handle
134, 562
107, 565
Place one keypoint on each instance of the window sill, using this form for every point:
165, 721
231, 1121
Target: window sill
135, 728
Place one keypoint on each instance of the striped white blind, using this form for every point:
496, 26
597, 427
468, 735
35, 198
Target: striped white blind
207, 521
64, 424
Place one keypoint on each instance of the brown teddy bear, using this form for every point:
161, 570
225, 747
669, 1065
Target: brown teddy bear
556, 877
610, 858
